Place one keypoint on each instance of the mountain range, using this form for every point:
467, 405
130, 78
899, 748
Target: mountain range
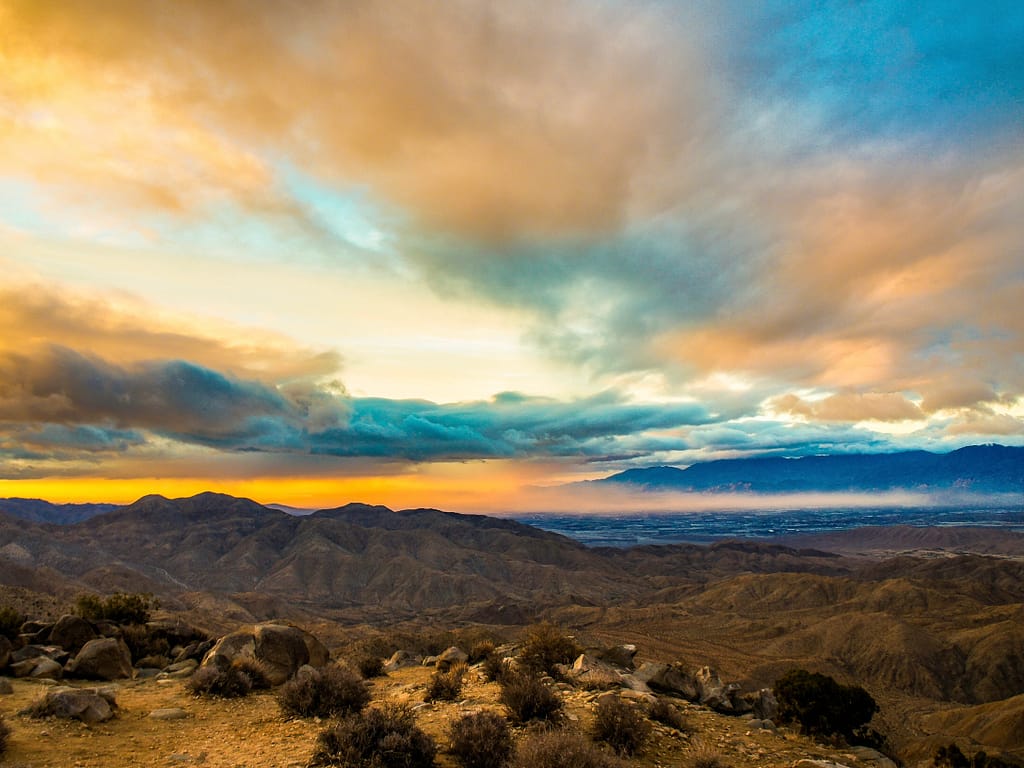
983, 469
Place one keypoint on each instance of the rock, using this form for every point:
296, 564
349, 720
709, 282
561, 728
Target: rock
106, 658
765, 705
145, 673
808, 763
71, 633
170, 713
188, 666
23, 668
633, 683
85, 704
47, 669
5, 686
282, 648
36, 651
401, 659
762, 725
621, 656
450, 657
590, 672
872, 757
724, 698
429, 661
6, 647
194, 650
672, 679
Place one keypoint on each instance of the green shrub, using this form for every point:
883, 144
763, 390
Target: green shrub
561, 749
661, 711
382, 737
620, 725
544, 646
11, 620
823, 707
527, 698
325, 692
120, 607
480, 740
231, 682
446, 685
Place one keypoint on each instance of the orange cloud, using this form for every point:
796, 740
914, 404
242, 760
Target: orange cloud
850, 406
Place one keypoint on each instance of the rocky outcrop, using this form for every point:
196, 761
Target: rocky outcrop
106, 658
673, 679
281, 648
621, 656
400, 659
90, 705
726, 698
450, 657
590, 672
71, 633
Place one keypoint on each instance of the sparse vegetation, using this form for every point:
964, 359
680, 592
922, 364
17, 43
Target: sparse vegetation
661, 711
142, 643
11, 620
546, 645
120, 607
823, 707
951, 756
5, 735
446, 685
528, 698
621, 726
231, 682
381, 737
480, 650
326, 692
705, 756
256, 670
494, 666
480, 740
562, 749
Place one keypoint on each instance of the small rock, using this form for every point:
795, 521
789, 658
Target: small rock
169, 713
5, 686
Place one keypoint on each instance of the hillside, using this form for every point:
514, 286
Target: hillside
981, 469
39, 511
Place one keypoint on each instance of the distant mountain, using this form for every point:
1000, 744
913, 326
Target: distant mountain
977, 469
39, 511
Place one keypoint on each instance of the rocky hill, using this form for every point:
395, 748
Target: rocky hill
922, 630
40, 511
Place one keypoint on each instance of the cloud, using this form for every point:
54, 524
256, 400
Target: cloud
851, 406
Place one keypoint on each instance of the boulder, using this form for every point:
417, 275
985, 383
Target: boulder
71, 633
281, 648
872, 757
5, 686
46, 669
33, 651
168, 713
590, 672
621, 656
86, 704
194, 650
23, 668
106, 658
450, 657
6, 647
763, 704
726, 698
401, 659
672, 679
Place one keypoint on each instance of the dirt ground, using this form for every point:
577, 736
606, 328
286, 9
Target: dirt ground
252, 732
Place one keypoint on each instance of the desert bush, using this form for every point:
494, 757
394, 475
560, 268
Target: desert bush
5, 735
370, 666
661, 711
446, 685
231, 682
11, 620
561, 749
621, 726
950, 756
141, 642
546, 645
480, 650
528, 698
494, 666
705, 756
120, 607
480, 740
382, 737
256, 670
823, 707
325, 692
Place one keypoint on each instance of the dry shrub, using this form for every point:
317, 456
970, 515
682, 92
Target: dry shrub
231, 682
259, 677
661, 711
620, 725
561, 749
705, 756
325, 692
5, 734
480, 740
370, 666
545, 646
446, 685
527, 698
142, 643
479, 651
382, 737
494, 667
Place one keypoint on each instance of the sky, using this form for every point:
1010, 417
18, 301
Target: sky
453, 254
